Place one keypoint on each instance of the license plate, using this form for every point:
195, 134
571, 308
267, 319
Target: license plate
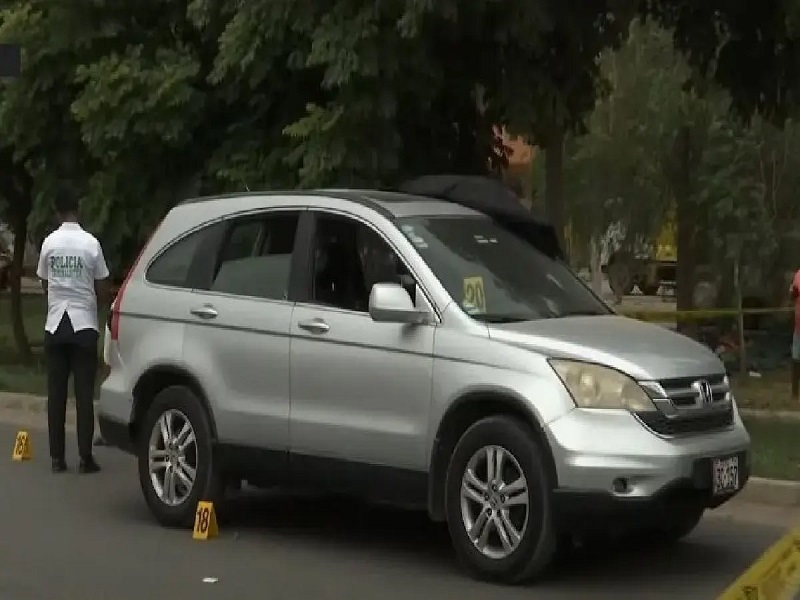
725, 475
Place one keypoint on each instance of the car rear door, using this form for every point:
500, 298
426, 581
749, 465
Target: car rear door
238, 338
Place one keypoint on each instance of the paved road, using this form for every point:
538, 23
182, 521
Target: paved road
71, 537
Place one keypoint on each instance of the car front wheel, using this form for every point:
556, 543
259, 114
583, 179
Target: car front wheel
498, 501
176, 467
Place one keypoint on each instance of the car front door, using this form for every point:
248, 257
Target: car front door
361, 390
238, 337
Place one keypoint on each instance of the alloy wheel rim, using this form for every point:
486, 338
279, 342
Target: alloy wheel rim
494, 502
172, 457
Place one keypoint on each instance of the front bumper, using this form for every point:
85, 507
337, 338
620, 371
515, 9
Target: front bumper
582, 510
593, 448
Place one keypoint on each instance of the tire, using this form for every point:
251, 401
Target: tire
182, 405
4, 278
538, 536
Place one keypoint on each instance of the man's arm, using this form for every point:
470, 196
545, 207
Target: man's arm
41, 268
102, 288
102, 282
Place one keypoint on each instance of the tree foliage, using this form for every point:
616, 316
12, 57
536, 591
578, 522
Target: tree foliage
136, 105
741, 176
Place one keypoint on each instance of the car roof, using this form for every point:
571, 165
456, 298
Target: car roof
400, 204
390, 204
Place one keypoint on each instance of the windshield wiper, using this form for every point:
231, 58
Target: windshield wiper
486, 318
579, 313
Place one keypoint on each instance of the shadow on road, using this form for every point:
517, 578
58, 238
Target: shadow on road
342, 525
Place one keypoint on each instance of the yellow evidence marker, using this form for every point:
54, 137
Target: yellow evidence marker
474, 295
205, 522
22, 447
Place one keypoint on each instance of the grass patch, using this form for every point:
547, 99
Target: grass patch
776, 452
770, 391
23, 379
15, 375
35, 312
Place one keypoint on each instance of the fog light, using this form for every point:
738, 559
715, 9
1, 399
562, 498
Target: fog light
620, 485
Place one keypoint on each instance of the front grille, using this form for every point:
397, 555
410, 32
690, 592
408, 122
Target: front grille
681, 394
680, 412
663, 425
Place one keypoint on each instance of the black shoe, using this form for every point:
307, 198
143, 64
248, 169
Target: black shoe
59, 465
88, 465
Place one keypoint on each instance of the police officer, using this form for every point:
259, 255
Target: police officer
74, 274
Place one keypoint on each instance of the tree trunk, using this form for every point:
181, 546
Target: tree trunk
686, 225
554, 183
20, 228
595, 265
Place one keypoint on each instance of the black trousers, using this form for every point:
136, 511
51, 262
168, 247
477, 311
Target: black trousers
68, 353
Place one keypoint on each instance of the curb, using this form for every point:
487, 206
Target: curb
36, 406
28, 402
759, 490
774, 492
783, 415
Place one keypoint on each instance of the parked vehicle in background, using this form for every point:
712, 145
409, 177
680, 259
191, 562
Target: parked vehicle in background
651, 264
431, 350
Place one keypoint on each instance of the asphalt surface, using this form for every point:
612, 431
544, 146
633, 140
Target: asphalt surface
73, 537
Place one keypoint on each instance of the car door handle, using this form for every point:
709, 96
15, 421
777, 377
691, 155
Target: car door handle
314, 326
205, 312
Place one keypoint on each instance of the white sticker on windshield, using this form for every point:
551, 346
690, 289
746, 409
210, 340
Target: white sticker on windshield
408, 229
470, 308
418, 242
480, 239
492, 240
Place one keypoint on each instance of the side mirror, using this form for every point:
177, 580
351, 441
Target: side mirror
390, 303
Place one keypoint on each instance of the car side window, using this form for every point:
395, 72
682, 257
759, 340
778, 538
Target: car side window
172, 266
348, 259
256, 258
242, 241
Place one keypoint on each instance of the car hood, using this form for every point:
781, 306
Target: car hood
642, 350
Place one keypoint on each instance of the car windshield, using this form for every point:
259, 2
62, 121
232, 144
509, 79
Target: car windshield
495, 275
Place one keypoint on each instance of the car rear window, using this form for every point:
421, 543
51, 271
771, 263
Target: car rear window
171, 267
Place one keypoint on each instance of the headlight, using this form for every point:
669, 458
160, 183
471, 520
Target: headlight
593, 386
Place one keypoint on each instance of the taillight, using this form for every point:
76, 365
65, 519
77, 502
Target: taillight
116, 305
113, 314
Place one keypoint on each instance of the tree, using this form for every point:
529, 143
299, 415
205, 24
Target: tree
38, 142
655, 145
412, 87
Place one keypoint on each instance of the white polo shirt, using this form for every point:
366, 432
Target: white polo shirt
71, 261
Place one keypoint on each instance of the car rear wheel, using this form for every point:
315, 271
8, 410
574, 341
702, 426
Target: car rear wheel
176, 466
498, 501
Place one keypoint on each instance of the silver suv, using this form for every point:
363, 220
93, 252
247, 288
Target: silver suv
416, 351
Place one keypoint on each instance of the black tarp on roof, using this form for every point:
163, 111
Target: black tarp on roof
490, 197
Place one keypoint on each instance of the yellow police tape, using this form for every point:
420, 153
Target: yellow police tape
774, 576
666, 316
